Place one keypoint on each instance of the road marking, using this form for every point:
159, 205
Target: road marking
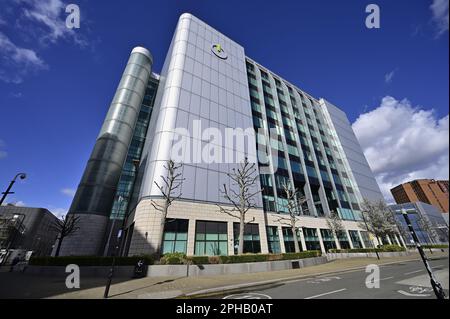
250, 295
326, 293
384, 278
412, 295
413, 272
321, 279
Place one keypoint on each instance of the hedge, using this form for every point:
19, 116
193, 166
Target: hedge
435, 246
382, 249
245, 258
89, 261
169, 259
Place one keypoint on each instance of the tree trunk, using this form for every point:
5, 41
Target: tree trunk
58, 248
162, 226
296, 246
241, 235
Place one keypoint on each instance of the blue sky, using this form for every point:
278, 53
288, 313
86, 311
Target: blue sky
56, 84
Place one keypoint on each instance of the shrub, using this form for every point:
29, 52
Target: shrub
381, 249
198, 260
390, 248
173, 259
301, 255
89, 260
245, 258
214, 259
273, 257
440, 246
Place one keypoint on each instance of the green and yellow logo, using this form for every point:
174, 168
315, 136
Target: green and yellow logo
219, 51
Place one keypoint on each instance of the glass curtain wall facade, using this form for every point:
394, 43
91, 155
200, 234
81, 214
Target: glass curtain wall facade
291, 126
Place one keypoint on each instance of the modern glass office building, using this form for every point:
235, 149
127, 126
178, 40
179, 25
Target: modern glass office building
208, 89
427, 221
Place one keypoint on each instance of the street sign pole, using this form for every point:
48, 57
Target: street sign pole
437, 288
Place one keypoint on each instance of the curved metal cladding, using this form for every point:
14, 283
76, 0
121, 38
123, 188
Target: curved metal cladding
95, 194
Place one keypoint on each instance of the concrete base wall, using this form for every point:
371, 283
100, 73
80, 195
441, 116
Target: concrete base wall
333, 256
227, 269
179, 270
86, 271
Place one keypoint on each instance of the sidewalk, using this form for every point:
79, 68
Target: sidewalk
171, 287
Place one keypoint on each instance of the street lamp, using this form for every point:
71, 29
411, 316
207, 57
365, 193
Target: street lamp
5, 193
437, 288
111, 270
119, 201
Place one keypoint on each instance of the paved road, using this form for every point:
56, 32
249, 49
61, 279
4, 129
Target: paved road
401, 280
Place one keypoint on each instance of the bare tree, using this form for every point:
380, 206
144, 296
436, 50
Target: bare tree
170, 185
379, 220
335, 224
241, 196
294, 205
65, 226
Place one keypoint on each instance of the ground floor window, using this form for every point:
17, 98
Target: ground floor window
273, 240
398, 239
288, 237
311, 239
384, 240
355, 238
366, 239
251, 238
343, 240
175, 236
328, 239
211, 238
394, 240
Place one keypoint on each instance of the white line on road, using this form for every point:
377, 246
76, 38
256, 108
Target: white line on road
413, 272
412, 295
326, 293
384, 279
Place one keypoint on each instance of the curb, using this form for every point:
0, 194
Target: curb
239, 287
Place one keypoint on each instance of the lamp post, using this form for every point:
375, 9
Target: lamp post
114, 253
8, 190
105, 252
437, 288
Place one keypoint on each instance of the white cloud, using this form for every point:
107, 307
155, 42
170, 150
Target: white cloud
389, 76
439, 8
68, 191
49, 14
58, 212
402, 143
17, 62
16, 95
17, 203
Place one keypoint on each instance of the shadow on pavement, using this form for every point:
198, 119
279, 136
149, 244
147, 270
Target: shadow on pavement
18, 285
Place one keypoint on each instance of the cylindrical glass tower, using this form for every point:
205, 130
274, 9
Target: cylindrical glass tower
95, 194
